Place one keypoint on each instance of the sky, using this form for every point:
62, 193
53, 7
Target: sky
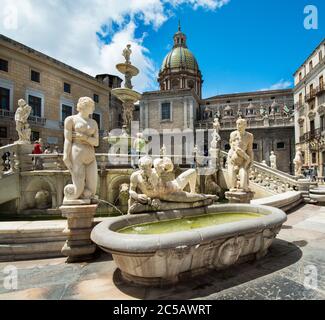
240, 45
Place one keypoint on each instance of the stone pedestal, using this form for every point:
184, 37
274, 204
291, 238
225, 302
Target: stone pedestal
78, 246
239, 196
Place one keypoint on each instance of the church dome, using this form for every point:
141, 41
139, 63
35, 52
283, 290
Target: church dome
180, 58
180, 69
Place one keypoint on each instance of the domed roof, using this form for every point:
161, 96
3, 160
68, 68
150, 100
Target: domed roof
180, 58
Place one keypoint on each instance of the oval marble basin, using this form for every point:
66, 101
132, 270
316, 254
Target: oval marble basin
164, 258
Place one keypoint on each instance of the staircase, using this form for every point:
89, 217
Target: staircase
13, 159
275, 182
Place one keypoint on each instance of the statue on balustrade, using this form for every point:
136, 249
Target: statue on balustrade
240, 157
273, 160
298, 162
152, 188
22, 127
81, 138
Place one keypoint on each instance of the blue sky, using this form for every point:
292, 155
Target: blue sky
245, 45
241, 45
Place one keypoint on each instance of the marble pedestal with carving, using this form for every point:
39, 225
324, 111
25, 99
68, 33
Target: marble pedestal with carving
78, 246
239, 196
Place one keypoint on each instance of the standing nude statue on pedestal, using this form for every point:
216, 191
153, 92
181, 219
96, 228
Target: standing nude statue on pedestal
240, 156
81, 136
273, 160
298, 162
22, 126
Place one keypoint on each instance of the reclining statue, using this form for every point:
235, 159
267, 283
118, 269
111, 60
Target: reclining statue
153, 189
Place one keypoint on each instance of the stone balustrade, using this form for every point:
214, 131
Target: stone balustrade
9, 162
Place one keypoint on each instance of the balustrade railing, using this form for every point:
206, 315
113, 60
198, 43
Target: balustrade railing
6, 114
8, 160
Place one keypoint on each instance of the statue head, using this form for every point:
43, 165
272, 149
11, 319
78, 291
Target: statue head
272, 153
22, 103
164, 165
128, 46
86, 106
241, 125
145, 164
140, 135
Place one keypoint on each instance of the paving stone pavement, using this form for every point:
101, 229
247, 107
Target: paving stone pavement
285, 273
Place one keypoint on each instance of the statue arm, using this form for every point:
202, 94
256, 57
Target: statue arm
94, 139
68, 126
250, 152
141, 198
133, 187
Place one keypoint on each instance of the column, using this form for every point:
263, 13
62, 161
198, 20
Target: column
185, 114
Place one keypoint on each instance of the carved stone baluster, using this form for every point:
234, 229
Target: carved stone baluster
1, 168
14, 163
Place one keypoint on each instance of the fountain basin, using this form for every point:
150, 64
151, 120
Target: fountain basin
159, 259
126, 95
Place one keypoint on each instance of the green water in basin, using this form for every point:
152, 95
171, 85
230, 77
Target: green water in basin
188, 223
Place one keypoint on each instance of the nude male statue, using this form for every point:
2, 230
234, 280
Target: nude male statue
21, 116
149, 187
240, 156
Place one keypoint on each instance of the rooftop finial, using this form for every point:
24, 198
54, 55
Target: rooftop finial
179, 25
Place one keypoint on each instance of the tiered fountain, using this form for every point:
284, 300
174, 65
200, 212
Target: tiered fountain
128, 97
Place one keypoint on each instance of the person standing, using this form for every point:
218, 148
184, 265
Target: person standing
37, 151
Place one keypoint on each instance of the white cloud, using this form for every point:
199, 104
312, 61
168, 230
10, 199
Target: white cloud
282, 84
67, 30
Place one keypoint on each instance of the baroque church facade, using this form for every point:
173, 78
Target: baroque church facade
179, 106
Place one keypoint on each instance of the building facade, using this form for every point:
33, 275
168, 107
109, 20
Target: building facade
269, 116
52, 89
179, 105
309, 98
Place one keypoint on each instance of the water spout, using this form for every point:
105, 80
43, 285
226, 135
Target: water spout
111, 205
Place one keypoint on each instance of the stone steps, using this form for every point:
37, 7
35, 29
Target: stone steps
284, 201
24, 240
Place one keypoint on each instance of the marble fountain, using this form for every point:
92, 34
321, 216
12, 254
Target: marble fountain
171, 232
171, 235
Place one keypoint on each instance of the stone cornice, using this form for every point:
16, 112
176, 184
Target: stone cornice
251, 94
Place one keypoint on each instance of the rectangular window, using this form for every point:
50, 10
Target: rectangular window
300, 76
4, 65
35, 76
255, 146
320, 55
67, 88
321, 82
96, 98
36, 104
322, 123
312, 126
300, 99
96, 117
310, 65
35, 136
4, 99
280, 145
314, 157
3, 132
66, 111
165, 111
